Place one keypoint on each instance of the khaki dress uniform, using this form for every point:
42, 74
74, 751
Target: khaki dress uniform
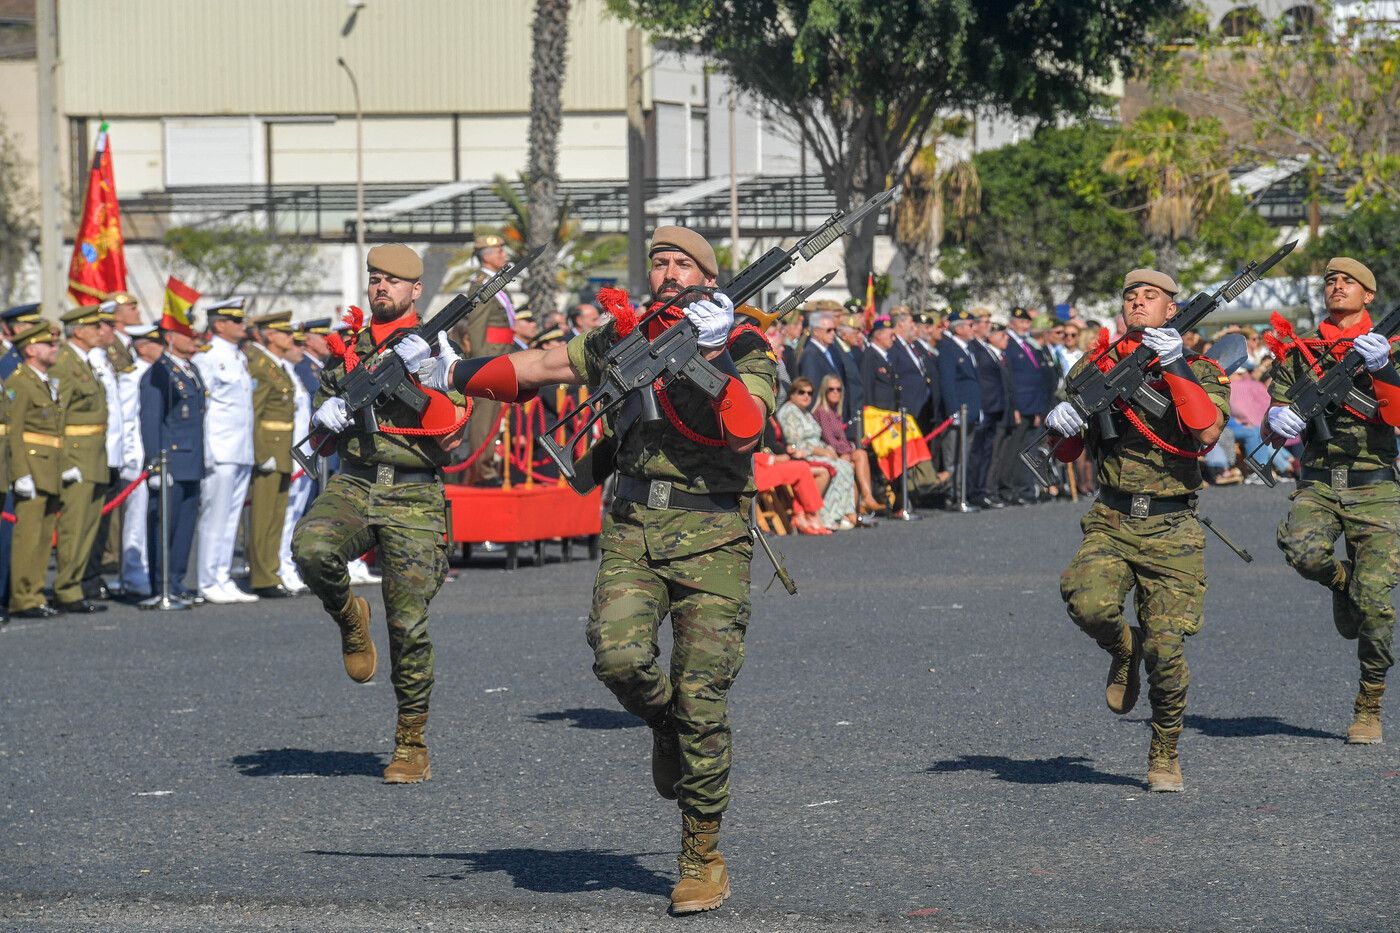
491, 332
84, 402
274, 407
34, 441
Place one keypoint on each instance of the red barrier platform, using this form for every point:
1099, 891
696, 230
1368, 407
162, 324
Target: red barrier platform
522, 513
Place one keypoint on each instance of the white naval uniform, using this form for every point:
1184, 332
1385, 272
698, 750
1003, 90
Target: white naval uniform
300, 491
101, 365
134, 574
228, 458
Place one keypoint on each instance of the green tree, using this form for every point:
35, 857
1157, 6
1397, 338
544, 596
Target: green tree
1042, 231
1371, 236
228, 260
860, 82
19, 206
1176, 172
926, 191
1228, 238
548, 59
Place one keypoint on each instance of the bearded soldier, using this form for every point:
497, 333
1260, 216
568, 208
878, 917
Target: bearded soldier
676, 540
1142, 533
1348, 484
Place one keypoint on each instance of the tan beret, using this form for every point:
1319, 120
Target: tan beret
1351, 267
395, 259
688, 242
1150, 277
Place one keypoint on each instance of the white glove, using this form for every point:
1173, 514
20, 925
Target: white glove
1374, 349
268, 465
1165, 342
71, 475
333, 415
435, 372
24, 487
714, 318
1064, 419
153, 482
413, 350
1285, 422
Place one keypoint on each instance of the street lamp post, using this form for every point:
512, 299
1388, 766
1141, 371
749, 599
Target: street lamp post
359, 167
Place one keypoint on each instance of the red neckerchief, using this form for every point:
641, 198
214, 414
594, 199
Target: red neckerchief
1339, 339
382, 331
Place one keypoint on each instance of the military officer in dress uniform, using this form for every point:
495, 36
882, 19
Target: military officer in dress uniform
34, 437
274, 411
12, 320
173, 411
491, 331
85, 471
299, 493
108, 363
126, 314
961, 389
146, 348
228, 450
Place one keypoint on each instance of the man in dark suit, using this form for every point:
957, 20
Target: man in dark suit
961, 389
172, 419
850, 348
818, 359
998, 413
917, 373
1032, 398
878, 376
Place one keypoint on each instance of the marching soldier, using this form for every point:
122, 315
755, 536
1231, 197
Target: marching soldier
228, 450
1142, 532
34, 438
388, 494
491, 331
676, 541
85, 474
274, 408
1348, 486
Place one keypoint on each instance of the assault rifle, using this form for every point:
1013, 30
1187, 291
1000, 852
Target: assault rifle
634, 363
1093, 392
765, 319
1313, 398
383, 377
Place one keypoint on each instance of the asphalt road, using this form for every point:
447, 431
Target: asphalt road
921, 742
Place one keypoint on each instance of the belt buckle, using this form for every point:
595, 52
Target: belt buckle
1141, 507
384, 474
659, 494
1339, 477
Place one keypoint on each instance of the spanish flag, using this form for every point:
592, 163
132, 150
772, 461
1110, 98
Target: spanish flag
882, 430
98, 266
179, 298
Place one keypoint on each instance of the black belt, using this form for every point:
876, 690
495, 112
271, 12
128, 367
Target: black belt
1140, 505
384, 474
661, 494
1343, 478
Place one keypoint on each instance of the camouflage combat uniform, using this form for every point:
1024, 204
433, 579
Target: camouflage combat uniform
691, 564
1363, 505
1162, 556
369, 504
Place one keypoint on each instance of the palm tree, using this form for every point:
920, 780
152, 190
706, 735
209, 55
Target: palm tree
1178, 169
548, 61
925, 196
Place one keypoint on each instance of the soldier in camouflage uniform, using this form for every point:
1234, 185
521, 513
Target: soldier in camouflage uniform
676, 541
1142, 533
1348, 486
388, 494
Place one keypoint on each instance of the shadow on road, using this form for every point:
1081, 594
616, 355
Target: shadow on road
290, 762
569, 871
590, 718
1247, 727
1061, 770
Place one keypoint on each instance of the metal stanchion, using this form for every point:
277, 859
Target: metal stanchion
962, 505
906, 511
164, 601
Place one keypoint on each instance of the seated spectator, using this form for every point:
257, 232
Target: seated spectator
804, 441
1218, 464
827, 413
772, 470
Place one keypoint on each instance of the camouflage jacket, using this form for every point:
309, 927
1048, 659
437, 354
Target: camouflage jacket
1133, 464
413, 452
1355, 444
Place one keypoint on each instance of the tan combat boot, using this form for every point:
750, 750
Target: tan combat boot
356, 645
1344, 613
704, 883
665, 757
410, 762
1366, 719
1124, 676
1163, 766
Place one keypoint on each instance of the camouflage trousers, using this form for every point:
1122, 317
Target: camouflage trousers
1369, 518
407, 524
708, 622
1162, 558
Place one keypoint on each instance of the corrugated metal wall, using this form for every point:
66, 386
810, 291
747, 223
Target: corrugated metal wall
172, 57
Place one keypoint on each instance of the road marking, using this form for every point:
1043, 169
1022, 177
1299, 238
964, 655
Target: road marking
821, 803
497, 690
153, 793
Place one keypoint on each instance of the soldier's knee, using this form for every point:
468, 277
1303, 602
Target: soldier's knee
624, 666
313, 555
1305, 552
1089, 606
